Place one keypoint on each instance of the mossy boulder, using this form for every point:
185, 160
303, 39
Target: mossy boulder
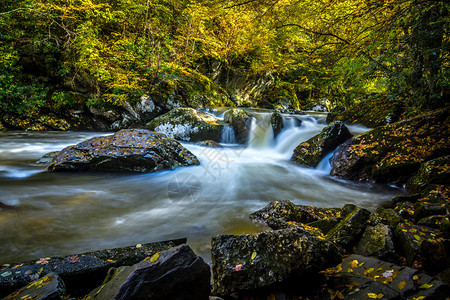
360, 277
348, 231
394, 153
248, 262
377, 241
432, 173
276, 120
129, 150
49, 287
241, 121
283, 213
311, 152
187, 124
389, 217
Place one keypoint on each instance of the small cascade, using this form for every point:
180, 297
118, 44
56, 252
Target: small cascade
325, 165
228, 136
291, 122
261, 132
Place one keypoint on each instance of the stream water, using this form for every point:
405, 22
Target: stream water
67, 213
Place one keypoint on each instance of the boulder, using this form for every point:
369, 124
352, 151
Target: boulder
129, 150
423, 247
49, 287
347, 232
172, 274
389, 217
431, 173
81, 272
247, 262
276, 120
405, 209
241, 121
281, 214
394, 153
187, 124
377, 241
431, 221
311, 152
359, 277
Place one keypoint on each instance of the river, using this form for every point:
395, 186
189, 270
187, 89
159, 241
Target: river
57, 214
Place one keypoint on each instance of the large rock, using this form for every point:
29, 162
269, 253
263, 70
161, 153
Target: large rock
187, 124
81, 272
377, 241
282, 214
129, 150
172, 274
311, 152
432, 173
50, 287
359, 277
347, 232
247, 262
241, 121
393, 153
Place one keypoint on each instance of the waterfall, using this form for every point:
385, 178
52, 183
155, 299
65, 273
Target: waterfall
325, 165
228, 136
261, 132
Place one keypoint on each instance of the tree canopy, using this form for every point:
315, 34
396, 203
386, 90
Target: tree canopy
115, 51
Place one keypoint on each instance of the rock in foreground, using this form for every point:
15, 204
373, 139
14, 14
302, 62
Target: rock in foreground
173, 274
248, 262
129, 150
311, 152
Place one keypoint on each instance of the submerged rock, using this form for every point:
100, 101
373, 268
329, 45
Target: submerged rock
394, 153
211, 144
187, 124
172, 274
311, 152
129, 150
241, 121
248, 262
49, 287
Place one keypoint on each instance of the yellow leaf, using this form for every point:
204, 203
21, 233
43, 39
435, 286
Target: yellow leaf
154, 257
253, 255
373, 295
401, 285
354, 263
425, 286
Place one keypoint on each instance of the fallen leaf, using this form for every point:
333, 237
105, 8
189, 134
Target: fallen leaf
74, 259
238, 268
5, 274
388, 273
354, 263
401, 285
253, 255
154, 257
425, 286
139, 246
375, 296
417, 237
415, 277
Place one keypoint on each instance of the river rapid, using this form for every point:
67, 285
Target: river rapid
54, 214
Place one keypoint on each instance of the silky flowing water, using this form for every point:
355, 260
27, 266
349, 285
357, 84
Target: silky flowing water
65, 213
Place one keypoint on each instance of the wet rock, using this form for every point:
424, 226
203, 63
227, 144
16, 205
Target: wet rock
276, 120
47, 159
281, 214
359, 277
397, 199
241, 122
248, 262
325, 225
431, 173
211, 144
405, 210
172, 274
50, 287
394, 153
377, 241
187, 124
129, 150
82, 272
424, 209
311, 152
431, 221
421, 246
347, 232
389, 217
2, 127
